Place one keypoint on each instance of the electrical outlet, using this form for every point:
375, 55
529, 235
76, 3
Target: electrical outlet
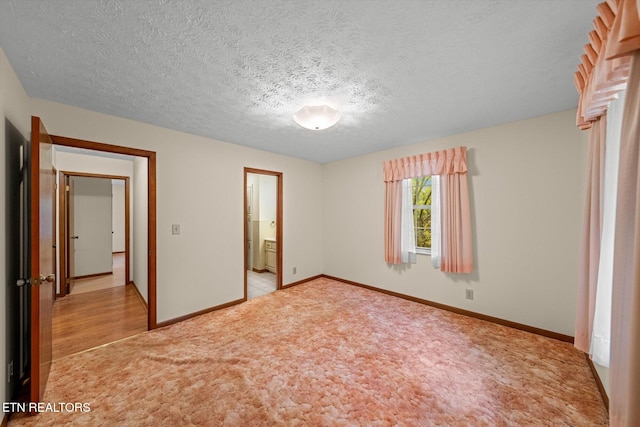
295, 270
175, 229
469, 294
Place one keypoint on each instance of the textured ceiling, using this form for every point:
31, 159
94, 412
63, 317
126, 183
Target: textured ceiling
400, 71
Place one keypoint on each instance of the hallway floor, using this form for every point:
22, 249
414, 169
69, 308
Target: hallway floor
103, 282
99, 310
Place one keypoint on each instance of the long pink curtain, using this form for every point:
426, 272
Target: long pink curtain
612, 62
451, 165
625, 320
591, 233
455, 216
392, 222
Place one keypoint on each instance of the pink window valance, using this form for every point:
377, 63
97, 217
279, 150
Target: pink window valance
606, 62
444, 162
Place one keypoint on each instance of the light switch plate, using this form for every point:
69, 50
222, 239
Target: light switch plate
175, 229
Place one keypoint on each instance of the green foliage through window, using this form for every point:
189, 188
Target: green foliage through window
421, 196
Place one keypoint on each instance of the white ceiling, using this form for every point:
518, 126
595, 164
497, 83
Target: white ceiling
401, 71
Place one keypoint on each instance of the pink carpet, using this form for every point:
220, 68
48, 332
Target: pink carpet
327, 354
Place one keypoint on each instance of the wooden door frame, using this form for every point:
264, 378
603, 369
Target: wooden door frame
151, 211
279, 211
64, 223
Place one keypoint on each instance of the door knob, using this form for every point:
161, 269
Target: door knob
50, 278
74, 237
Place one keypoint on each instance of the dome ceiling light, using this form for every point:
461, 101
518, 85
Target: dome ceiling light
316, 117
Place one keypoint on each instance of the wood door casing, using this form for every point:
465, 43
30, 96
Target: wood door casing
151, 212
42, 260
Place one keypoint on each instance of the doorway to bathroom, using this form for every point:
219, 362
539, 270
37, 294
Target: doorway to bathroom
262, 232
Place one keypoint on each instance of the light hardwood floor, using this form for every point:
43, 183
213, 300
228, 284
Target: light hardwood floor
89, 318
102, 282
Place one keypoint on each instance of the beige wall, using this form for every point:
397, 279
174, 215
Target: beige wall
14, 106
526, 180
200, 187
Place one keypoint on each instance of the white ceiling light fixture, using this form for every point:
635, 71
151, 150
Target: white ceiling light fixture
316, 117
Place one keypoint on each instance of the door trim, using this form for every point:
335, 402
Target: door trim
151, 211
279, 243
64, 225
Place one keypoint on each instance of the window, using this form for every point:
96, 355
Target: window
421, 197
443, 224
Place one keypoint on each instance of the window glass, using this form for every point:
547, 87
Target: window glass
421, 193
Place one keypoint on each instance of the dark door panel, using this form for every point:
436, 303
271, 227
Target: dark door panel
17, 260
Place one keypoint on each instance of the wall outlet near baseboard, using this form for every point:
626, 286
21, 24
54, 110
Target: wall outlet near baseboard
468, 294
175, 229
295, 270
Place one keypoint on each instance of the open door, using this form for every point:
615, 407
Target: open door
91, 226
42, 256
